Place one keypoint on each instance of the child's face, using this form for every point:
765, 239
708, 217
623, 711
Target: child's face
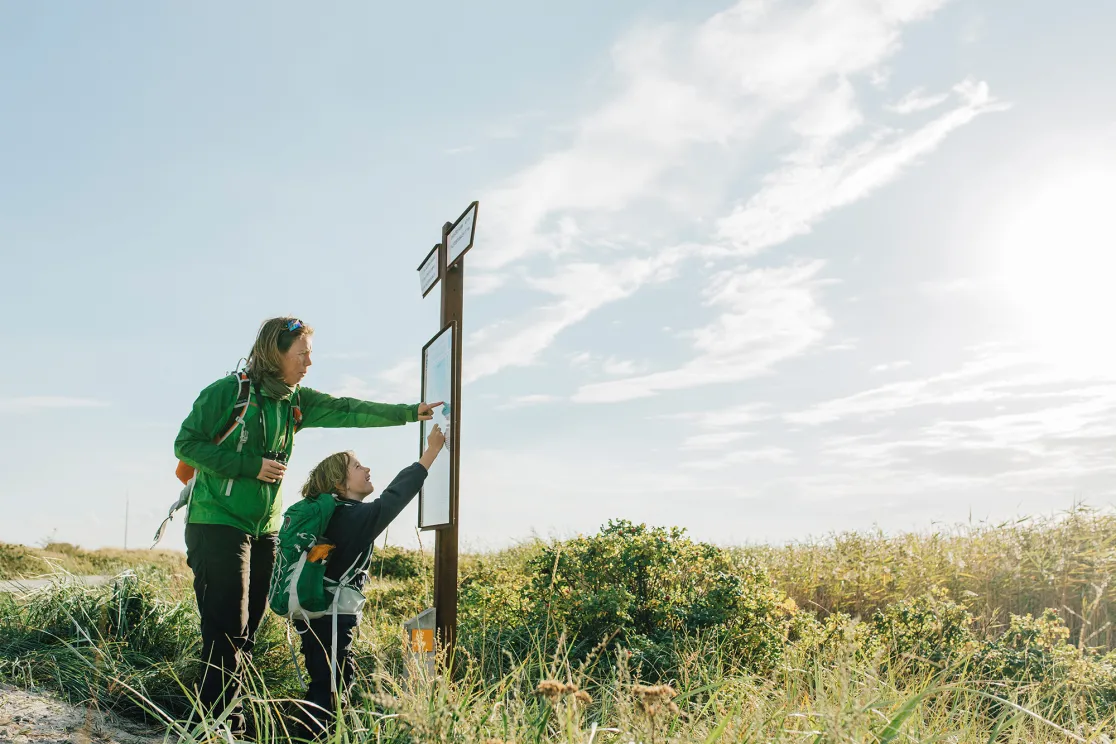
358, 482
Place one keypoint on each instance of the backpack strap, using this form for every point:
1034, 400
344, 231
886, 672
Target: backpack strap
296, 411
185, 472
236, 418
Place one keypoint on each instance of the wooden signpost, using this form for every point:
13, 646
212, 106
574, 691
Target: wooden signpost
446, 263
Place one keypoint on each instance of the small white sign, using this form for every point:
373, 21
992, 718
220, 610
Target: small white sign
428, 272
461, 236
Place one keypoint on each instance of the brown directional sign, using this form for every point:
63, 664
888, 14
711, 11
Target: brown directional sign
429, 270
439, 504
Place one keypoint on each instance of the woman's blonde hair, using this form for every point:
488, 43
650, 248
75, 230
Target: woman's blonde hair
275, 339
328, 476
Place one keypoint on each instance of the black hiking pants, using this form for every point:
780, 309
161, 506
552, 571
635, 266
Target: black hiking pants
317, 640
232, 572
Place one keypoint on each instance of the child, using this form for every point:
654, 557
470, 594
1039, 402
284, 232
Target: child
353, 530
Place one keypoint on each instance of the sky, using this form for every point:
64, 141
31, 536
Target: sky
764, 270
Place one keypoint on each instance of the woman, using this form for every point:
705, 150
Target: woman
352, 530
236, 500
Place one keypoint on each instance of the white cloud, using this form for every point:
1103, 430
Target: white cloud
613, 366
972, 30
581, 359
917, 100
771, 455
653, 160
734, 416
481, 284
980, 380
681, 86
815, 182
534, 399
398, 383
1006, 422
767, 315
891, 366
712, 440
38, 402
580, 288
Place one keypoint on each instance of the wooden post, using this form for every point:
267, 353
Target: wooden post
445, 539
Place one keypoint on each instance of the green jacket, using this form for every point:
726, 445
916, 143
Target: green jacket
226, 490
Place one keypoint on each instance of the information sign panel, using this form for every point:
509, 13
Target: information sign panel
435, 505
428, 271
461, 235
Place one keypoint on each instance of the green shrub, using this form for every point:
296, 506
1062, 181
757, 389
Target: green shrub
924, 634
1034, 655
397, 563
644, 587
20, 561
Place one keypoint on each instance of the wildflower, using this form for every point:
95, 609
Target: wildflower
583, 697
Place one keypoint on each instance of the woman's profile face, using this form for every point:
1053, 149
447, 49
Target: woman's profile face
296, 361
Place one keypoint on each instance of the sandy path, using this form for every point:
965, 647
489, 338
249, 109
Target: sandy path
39, 718
23, 586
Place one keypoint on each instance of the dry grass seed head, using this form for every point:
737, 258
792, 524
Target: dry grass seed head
551, 689
653, 699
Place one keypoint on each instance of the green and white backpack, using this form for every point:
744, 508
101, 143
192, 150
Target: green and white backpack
299, 588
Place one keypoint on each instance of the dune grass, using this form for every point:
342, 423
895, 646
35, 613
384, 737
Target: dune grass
25, 562
951, 645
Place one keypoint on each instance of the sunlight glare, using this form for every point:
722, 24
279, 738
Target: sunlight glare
1056, 267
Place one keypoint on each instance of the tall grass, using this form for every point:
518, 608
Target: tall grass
1065, 562
549, 699
919, 668
24, 562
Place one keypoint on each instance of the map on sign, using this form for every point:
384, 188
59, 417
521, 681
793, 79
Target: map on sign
437, 385
461, 236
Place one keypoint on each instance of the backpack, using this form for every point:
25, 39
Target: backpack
298, 589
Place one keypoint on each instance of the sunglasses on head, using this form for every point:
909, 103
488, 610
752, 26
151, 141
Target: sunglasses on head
293, 325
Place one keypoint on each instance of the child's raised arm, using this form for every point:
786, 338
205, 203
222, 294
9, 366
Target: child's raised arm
435, 441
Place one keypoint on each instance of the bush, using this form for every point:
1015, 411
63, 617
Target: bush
1034, 654
924, 634
396, 563
645, 587
492, 614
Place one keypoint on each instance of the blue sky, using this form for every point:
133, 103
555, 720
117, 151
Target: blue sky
764, 270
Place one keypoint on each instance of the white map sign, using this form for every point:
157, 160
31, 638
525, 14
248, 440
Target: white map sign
437, 385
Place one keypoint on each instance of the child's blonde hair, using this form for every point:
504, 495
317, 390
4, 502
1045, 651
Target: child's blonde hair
328, 476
